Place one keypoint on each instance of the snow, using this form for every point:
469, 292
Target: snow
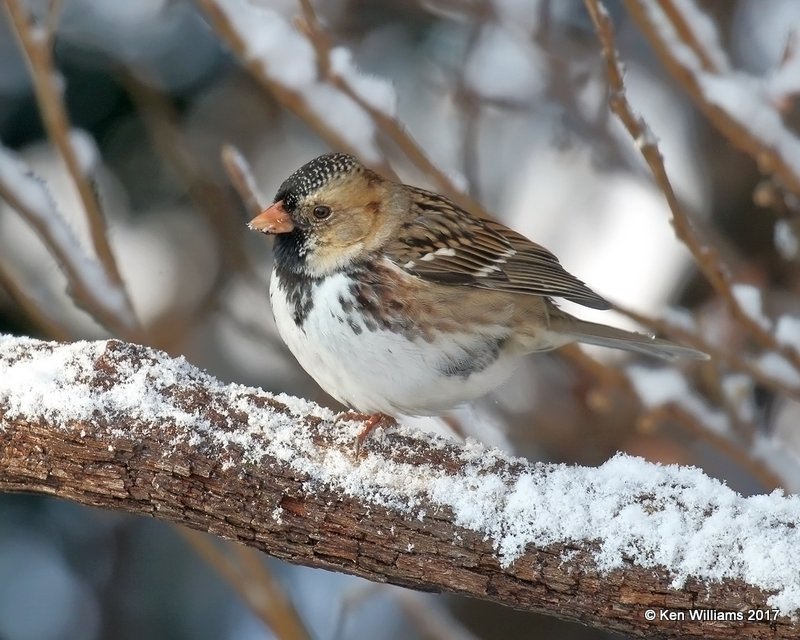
784, 82
288, 58
85, 149
658, 387
376, 92
28, 189
779, 368
680, 318
786, 241
738, 390
705, 32
749, 299
682, 52
625, 511
775, 455
503, 67
758, 37
519, 14
343, 115
744, 98
43, 214
787, 332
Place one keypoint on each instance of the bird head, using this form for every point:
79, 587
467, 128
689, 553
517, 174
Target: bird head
329, 215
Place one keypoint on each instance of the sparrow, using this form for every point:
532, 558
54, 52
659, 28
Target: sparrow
397, 301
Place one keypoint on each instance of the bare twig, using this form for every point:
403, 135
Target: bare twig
386, 123
245, 572
241, 177
38, 54
707, 258
31, 308
767, 154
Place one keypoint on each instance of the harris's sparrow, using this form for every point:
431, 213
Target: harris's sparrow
397, 301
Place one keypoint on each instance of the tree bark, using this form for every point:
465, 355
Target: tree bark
124, 427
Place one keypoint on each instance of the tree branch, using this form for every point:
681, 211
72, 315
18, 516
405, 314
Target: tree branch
36, 42
774, 147
124, 427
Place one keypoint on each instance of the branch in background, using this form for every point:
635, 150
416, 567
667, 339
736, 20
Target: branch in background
774, 148
208, 197
706, 257
36, 45
155, 436
717, 352
242, 179
732, 103
386, 122
254, 583
686, 30
33, 309
89, 284
228, 18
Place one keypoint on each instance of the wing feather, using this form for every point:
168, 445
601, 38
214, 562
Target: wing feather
445, 244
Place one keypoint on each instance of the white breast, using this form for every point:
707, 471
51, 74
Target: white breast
376, 370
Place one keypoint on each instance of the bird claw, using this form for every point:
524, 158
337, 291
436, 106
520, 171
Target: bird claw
371, 423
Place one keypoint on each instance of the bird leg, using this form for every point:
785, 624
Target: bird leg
371, 421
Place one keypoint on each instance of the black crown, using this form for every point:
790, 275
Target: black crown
313, 175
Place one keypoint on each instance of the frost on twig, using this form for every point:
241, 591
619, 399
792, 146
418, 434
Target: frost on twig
243, 180
125, 427
742, 107
89, 283
743, 301
284, 60
76, 150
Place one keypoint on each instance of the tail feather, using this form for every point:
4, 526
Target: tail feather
605, 336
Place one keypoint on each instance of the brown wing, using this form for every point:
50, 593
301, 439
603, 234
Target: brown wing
445, 244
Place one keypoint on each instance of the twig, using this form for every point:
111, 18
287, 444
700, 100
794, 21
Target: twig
386, 123
32, 309
36, 47
286, 96
767, 154
89, 283
53, 17
707, 258
241, 177
685, 32
253, 582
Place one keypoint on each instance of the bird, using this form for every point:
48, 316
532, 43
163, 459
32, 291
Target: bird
399, 302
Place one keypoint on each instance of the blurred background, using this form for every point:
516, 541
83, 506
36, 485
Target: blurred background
507, 101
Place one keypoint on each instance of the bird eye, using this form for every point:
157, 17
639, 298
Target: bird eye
321, 212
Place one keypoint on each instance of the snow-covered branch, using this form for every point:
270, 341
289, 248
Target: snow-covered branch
90, 284
36, 44
743, 108
125, 427
746, 309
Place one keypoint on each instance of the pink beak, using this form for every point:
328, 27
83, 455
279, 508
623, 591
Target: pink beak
273, 220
